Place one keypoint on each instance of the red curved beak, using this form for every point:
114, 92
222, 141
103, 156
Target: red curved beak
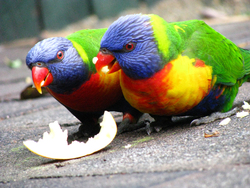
41, 77
106, 63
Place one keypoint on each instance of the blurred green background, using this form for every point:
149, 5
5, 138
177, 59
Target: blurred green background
33, 18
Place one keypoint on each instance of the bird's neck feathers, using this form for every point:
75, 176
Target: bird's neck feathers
167, 37
86, 59
87, 43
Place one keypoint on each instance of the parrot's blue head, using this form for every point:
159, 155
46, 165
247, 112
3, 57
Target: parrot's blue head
131, 41
55, 63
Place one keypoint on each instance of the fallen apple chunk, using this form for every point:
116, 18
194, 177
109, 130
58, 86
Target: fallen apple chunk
54, 145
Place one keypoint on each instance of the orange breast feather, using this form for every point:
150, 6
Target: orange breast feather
178, 87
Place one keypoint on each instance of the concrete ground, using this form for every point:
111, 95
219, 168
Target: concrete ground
179, 156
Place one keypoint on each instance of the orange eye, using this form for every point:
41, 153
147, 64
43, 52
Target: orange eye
60, 55
130, 46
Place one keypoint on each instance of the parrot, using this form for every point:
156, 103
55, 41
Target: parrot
64, 66
171, 69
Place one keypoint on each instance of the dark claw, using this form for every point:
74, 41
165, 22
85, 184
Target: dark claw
148, 127
195, 122
158, 128
126, 126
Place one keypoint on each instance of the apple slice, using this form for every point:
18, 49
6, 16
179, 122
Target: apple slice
54, 145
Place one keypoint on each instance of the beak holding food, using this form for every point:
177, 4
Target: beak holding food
106, 63
41, 77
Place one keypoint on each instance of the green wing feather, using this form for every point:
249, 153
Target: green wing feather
246, 59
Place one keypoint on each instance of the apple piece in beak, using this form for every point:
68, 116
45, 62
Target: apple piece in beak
41, 77
106, 63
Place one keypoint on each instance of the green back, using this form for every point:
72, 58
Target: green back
196, 39
87, 43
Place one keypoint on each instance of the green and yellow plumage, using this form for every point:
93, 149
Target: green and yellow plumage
87, 43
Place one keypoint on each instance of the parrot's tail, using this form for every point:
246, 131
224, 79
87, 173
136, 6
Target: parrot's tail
246, 60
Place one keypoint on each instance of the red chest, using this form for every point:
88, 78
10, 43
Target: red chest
96, 94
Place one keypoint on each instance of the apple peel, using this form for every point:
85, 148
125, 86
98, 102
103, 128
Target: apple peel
225, 121
246, 105
242, 114
54, 145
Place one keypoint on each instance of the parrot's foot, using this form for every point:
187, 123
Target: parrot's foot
126, 126
85, 132
159, 123
214, 116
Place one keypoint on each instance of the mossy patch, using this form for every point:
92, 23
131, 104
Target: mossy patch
136, 142
17, 149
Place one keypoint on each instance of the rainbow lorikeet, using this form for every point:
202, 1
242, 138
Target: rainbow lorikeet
64, 66
172, 69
